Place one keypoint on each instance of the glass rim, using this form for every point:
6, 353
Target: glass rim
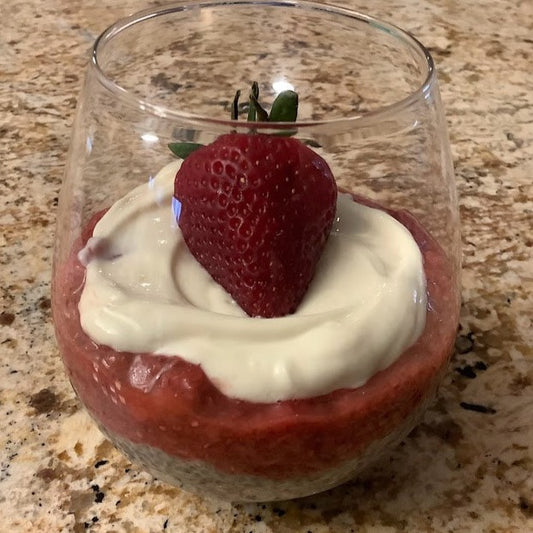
363, 119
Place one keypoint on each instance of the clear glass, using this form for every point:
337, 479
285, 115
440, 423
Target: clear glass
370, 106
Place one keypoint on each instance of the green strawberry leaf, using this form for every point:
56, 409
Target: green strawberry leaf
284, 107
254, 94
259, 112
182, 150
235, 106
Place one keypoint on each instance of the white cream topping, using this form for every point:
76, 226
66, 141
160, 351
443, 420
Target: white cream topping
144, 292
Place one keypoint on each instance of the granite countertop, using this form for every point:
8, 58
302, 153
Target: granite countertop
461, 470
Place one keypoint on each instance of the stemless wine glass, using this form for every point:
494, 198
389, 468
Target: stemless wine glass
370, 107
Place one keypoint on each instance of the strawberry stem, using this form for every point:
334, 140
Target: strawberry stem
284, 109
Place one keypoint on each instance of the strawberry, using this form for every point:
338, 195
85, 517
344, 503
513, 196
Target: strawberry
256, 211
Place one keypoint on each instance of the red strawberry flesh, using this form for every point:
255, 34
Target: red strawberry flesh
256, 211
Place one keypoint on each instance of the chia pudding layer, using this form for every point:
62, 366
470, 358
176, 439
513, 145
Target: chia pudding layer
166, 414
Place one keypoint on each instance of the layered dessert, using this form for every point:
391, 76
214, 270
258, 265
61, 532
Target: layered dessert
223, 367
189, 385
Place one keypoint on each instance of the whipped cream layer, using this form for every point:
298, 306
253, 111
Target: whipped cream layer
145, 293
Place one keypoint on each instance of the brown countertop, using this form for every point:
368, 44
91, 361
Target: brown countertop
461, 470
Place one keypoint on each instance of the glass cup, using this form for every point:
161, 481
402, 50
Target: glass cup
369, 106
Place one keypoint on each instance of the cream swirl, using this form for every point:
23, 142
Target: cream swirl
144, 292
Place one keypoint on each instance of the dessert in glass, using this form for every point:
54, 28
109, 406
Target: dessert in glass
255, 287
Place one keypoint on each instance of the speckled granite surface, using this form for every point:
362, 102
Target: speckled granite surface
460, 471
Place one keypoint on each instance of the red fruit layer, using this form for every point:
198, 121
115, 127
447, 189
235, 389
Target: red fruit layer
169, 403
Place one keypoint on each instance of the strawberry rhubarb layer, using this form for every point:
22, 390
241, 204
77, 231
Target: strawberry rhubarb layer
279, 422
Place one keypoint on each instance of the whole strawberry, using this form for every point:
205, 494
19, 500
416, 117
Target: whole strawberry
256, 211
